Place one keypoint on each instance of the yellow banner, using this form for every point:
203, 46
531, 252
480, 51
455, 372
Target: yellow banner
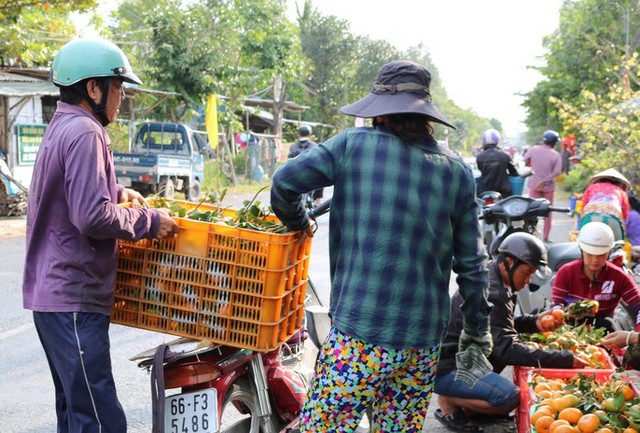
211, 121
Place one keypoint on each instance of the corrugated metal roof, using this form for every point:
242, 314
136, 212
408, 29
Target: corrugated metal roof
8, 76
20, 85
28, 89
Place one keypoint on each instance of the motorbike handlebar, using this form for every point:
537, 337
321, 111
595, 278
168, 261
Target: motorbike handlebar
560, 209
321, 209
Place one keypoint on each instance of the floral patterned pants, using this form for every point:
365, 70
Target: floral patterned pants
351, 375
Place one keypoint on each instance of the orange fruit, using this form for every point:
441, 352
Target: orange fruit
570, 414
564, 401
541, 386
556, 424
588, 423
570, 400
547, 409
564, 428
542, 424
556, 385
558, 314
544, 394
538, 414
627, 391
547, 322
630, 430
604, 430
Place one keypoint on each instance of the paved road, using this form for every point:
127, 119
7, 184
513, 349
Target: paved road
24, 368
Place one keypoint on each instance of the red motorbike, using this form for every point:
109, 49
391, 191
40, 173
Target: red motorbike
202, 388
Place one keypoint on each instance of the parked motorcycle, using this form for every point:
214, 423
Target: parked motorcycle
516, 214
203, 388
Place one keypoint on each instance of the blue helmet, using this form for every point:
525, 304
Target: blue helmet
551, 137
490, 136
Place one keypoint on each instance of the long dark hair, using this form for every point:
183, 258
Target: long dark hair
410, 127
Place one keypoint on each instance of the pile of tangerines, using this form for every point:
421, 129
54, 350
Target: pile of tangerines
584, 404
581, 339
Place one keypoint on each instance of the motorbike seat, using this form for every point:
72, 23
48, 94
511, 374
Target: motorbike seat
562, 253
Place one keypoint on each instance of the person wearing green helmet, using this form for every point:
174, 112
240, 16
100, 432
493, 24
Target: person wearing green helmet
73, 221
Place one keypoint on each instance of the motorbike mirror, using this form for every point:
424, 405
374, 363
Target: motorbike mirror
533, 287
544, 272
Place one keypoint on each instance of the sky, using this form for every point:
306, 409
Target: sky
481, 48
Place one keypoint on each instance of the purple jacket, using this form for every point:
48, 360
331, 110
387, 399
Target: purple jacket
73, 218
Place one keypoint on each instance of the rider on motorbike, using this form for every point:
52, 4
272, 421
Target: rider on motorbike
606, 200
495, 165
594, 277
520, 256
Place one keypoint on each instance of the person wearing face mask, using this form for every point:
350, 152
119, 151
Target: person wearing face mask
73, 222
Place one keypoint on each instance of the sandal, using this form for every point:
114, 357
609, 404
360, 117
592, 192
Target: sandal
457, 421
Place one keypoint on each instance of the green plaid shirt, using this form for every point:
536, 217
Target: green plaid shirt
402, 216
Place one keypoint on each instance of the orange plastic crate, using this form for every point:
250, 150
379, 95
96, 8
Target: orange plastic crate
237, 287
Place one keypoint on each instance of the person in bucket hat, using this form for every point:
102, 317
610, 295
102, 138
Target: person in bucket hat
403, 215
73, 221
400, 87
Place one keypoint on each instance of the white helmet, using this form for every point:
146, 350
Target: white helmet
490, 136
596, 238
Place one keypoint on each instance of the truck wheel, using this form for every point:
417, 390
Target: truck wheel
193, 191
167, 189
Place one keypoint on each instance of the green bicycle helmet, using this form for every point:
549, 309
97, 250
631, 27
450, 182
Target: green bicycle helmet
90, 58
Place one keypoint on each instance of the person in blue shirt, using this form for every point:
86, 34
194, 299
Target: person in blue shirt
403, 216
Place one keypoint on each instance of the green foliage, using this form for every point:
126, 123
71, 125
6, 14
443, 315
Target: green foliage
607, 127
328, 75
578, 179
240, 161
31, 32
119, 135
584, 53
235, 48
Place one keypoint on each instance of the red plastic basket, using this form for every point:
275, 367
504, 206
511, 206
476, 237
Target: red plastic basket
523, 414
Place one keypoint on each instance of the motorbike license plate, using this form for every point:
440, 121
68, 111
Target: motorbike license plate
124, 181
191, 412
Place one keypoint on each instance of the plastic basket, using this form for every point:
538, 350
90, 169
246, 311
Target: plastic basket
525, 409
232, 286
517, 184
522, 373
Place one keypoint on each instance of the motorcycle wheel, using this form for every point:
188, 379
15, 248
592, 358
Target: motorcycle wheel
167, 189
193, 191
240, 410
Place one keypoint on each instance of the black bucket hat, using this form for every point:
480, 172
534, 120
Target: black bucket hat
401, 86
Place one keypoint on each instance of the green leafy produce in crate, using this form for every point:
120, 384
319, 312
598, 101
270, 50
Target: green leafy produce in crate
252, 215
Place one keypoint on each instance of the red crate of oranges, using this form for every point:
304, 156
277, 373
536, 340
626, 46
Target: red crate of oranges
564, 401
